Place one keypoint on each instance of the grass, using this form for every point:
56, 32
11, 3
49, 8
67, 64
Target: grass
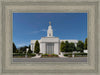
22, 55
76, 55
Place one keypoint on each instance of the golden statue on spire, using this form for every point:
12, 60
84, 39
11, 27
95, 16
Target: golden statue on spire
49, 22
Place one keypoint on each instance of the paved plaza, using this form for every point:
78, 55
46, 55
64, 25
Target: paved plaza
67, 59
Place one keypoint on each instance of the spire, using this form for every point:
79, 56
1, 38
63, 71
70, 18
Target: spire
49, 31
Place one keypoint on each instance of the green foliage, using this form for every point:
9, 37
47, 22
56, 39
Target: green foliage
31, 55
76, 54
80, 54
67, 46
71, 47
18, 54
69, 55
37, 47
23, 49
14, 48
80, 46
30, 51
63, 46
85, 44
54, 55
23, 54
44, 54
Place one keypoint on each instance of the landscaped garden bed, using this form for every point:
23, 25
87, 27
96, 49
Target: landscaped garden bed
22, 55
49, 55
76, 55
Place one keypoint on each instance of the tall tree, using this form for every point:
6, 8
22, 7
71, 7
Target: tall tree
30, 51
14, 48
85, 44
67, 46
80, 46
37, 47
63, 46
23, 49
71, 47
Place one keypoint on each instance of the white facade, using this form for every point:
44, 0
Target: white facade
50, 44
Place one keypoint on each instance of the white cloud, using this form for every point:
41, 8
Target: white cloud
43, 30
22, 44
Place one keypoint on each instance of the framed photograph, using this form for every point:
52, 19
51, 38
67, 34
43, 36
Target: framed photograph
49, 37
50, 48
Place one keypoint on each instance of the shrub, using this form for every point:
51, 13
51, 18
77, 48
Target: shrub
80, 54
69, 55
44, 54
31, 55
63, 47
18, 54
23, 54
54, 54
80, 46
76, 54
49, 55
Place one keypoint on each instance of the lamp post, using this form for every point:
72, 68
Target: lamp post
26, 52
73, 54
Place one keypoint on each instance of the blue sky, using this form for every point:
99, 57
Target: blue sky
33, 26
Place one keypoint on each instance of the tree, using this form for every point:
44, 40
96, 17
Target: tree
85, 44
63, 46
80, 46
23, 49
30, 51
67, 46
71, 47
37, 47
14, 48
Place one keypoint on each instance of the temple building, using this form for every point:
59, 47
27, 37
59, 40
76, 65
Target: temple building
50, 44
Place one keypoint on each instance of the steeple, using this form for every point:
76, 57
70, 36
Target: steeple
49, 31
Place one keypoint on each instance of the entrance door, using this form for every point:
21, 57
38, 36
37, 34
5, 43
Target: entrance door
50, 48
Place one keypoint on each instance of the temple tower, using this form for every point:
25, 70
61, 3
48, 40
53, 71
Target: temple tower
49, 31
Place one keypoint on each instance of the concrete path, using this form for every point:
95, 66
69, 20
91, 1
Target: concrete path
37, 56
61, 56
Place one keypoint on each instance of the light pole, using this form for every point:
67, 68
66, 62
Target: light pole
73, 54
26, 52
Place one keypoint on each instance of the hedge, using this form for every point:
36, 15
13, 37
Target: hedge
69, 55
23, 54
31, 54
76, 54
80, 54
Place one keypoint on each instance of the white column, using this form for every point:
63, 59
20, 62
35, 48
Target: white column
56, 48
32, 47
43, 48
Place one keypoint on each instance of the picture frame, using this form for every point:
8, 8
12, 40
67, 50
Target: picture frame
48, 68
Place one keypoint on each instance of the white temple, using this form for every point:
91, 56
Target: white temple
50, 44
